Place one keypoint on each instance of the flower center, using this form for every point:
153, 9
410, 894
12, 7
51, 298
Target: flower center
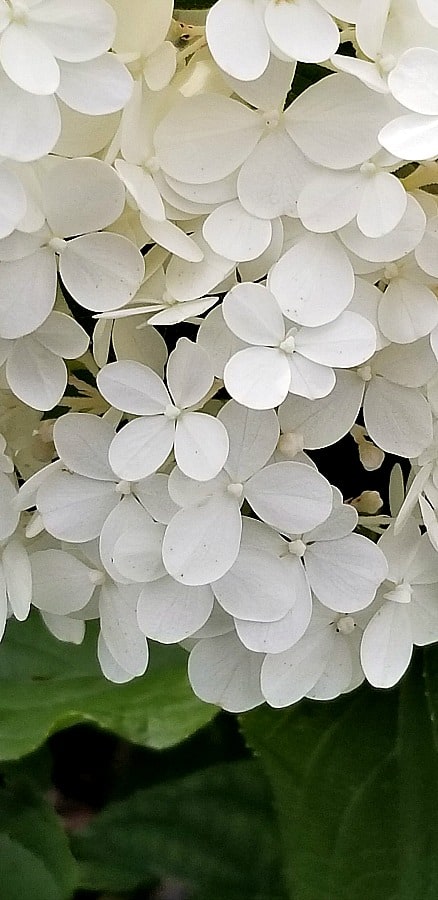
271, 118
236, 490
288, 345
57, 244
172, 412
123, 487
290, 444
345, 625
368, 168
297, 548
390, 271
365, 373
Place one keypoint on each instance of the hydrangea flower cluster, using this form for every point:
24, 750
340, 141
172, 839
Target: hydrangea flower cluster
257, 268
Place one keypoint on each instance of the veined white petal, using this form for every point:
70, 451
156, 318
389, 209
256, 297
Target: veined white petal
201, 445
141, 447
222, 671
290, 496
386, 647
202, 542
169, 612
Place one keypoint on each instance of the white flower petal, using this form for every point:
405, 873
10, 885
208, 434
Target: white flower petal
330, 200
272, 177
96, 87
222, 671
9, 512
74, 33
322, 422
102, 271
411, 137
310, 379
36, 274
349, 116
118, 621
202, 542
290, 496
253, 436
232, 25
141, 447
74, 508
27, 60
172, 238
414, 80
62, 335
82, 195
201, 445
253, 314
236, 234
313, 281
346, 573
386, 647
287, 677
191, 280
137, 553
170, 612
82, 442
18, 576
382, 205
275, 637
189, 373
110, 668
258, 377
302, 30
143, 188
132, 387
31, 124
407, 311
206, 137
348, 341
35, 375
397, 418
61, 584
399, 242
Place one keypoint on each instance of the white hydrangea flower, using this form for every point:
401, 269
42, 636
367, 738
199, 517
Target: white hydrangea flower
15, 574
304, 31
101, 270
413, 83
407, 611
34, 364
322, 665
297, 360
48, 48
210, 511
222, 671
140, 41
75, 499
166, 419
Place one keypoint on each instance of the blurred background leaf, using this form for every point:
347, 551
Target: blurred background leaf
356, 789
35, 859
213, 830
46, 685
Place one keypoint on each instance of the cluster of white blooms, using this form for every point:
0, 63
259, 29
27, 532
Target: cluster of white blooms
257, 268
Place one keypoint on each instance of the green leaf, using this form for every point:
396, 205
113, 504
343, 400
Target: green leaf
356, 790
214, 830
46, 685
35, 859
